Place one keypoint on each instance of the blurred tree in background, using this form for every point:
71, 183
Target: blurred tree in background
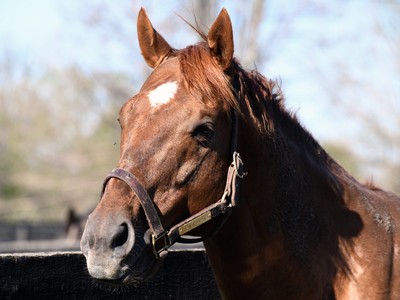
59, 135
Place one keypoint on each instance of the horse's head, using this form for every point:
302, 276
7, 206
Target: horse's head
175, 150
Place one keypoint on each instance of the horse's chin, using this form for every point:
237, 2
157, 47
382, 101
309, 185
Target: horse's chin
142, 270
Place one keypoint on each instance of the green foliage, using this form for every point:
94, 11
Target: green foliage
345, 157
9, 191
61, 137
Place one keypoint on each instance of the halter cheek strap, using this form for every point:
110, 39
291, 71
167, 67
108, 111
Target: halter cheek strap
145, 200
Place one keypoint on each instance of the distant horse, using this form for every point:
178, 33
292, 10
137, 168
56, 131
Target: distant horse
74, 224
209, 149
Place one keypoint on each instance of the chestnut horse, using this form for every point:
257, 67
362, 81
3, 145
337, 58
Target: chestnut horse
200, 128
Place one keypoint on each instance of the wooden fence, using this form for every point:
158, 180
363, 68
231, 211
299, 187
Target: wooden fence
63, 275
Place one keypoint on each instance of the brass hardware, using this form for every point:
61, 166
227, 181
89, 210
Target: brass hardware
185, 228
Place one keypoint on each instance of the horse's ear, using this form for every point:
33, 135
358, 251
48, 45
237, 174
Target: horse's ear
220, 39
153, 46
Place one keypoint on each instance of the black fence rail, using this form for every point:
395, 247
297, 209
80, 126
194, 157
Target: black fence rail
184, 275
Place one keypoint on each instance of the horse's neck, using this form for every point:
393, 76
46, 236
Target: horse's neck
264, 247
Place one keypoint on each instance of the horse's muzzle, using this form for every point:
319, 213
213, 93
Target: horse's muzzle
106, 244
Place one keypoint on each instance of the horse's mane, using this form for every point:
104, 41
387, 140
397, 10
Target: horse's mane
248, 92
297, 211
205, 78
234, 89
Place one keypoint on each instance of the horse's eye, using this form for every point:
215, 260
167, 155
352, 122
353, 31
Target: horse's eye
204, 134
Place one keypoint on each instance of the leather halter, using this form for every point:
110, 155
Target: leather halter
163, 239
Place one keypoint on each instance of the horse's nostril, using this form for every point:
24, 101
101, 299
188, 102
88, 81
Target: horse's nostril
121, 236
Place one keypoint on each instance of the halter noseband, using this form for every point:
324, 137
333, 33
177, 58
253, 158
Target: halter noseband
163, 239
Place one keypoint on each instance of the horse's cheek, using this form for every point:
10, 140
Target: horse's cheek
185, 173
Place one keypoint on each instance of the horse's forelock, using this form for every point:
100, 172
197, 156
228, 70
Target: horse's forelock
205, 78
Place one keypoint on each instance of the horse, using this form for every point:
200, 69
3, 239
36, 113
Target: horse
74, 224
209, 150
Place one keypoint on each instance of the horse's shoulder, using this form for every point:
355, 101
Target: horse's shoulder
378, 209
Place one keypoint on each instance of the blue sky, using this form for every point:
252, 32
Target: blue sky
312, 48
48, 33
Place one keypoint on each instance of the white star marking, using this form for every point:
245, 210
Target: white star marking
162, 94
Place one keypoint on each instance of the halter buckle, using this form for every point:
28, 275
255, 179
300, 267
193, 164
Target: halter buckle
238, 165
163, 241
